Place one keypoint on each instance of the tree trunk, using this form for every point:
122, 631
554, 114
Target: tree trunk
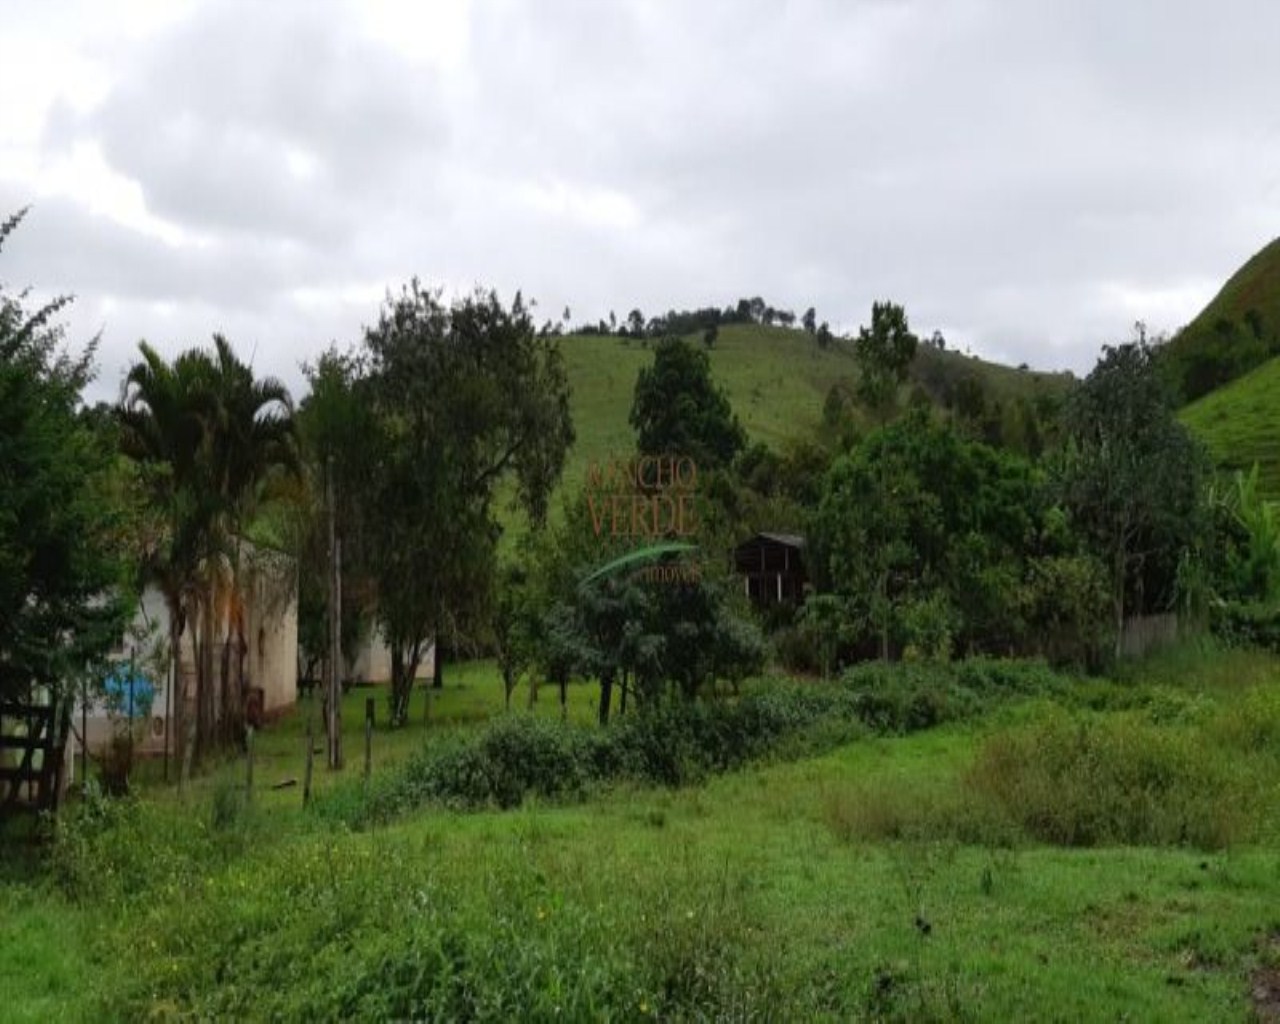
437, 665
177, 692
606, 697
564, 699
1118, 600
884, 616
204, 679
404, 670
622, 708
226, 726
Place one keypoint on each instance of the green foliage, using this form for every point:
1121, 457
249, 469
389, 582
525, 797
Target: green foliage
338, 431
1132, 479
1078, 780
63, 581
924, 535
674, 743
884, 352
464, 396
1252, 571
678, 410
1247, 625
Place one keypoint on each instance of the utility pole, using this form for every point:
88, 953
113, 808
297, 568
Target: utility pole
333, 726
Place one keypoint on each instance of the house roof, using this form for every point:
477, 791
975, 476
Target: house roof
790, 540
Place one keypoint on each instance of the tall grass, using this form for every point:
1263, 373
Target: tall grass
1170, 773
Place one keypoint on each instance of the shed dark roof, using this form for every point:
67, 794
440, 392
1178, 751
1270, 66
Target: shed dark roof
791, 540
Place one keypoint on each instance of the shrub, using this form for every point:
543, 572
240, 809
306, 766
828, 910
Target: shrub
1083, 780
675, 742
1247, 625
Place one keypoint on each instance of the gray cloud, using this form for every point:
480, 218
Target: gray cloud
1029, 177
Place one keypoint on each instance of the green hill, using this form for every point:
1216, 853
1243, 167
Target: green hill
1241, 424
1237, 331
777, 381
1256, 285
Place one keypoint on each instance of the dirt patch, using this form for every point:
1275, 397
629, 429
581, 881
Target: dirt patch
1264, 982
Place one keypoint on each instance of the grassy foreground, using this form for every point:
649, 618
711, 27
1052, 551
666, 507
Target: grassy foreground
834, 887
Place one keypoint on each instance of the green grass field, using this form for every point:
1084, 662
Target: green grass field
787, 891
1240, 423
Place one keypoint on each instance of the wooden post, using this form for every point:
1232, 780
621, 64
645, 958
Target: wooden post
306, 778
84, 738
333, 723
248, 749
368, 738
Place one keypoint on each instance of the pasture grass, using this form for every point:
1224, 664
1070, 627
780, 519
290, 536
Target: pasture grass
788, 890
1240, 424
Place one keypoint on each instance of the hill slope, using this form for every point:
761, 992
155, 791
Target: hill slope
1256, 285
1241, 424
776, 379
1237, 331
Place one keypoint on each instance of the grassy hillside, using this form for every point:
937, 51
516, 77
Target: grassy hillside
1256, 285
1237, 331
776, 379
1241, 424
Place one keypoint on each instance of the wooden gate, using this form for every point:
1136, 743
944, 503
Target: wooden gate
33, 737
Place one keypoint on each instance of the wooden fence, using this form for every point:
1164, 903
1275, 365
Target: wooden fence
38, 733
1145, 633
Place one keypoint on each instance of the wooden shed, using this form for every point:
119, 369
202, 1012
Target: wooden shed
772, 568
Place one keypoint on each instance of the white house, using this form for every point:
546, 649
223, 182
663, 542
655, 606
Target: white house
268, 581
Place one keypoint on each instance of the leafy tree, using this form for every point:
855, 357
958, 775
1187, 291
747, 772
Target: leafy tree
884, 352
821, 622
677, 409
809, 321
1252, 563
339, 438
1131, 477
635, 322
710, 335
824, 336
923, 533
465, 396
63, 598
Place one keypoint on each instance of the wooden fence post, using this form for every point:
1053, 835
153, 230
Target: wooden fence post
306, 779
368, 738
248, 749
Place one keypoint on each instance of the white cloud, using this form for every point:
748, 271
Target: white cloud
1030, 178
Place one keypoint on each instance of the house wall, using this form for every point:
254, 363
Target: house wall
271, 596
372, 664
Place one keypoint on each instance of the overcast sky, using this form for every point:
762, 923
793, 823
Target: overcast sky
1028, 177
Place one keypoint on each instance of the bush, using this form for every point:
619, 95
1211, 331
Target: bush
908, 697
676, 742
1247, 625
1084, 780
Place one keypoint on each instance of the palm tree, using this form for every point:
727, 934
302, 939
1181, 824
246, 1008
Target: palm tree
164, 415
254, 446
210, 436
